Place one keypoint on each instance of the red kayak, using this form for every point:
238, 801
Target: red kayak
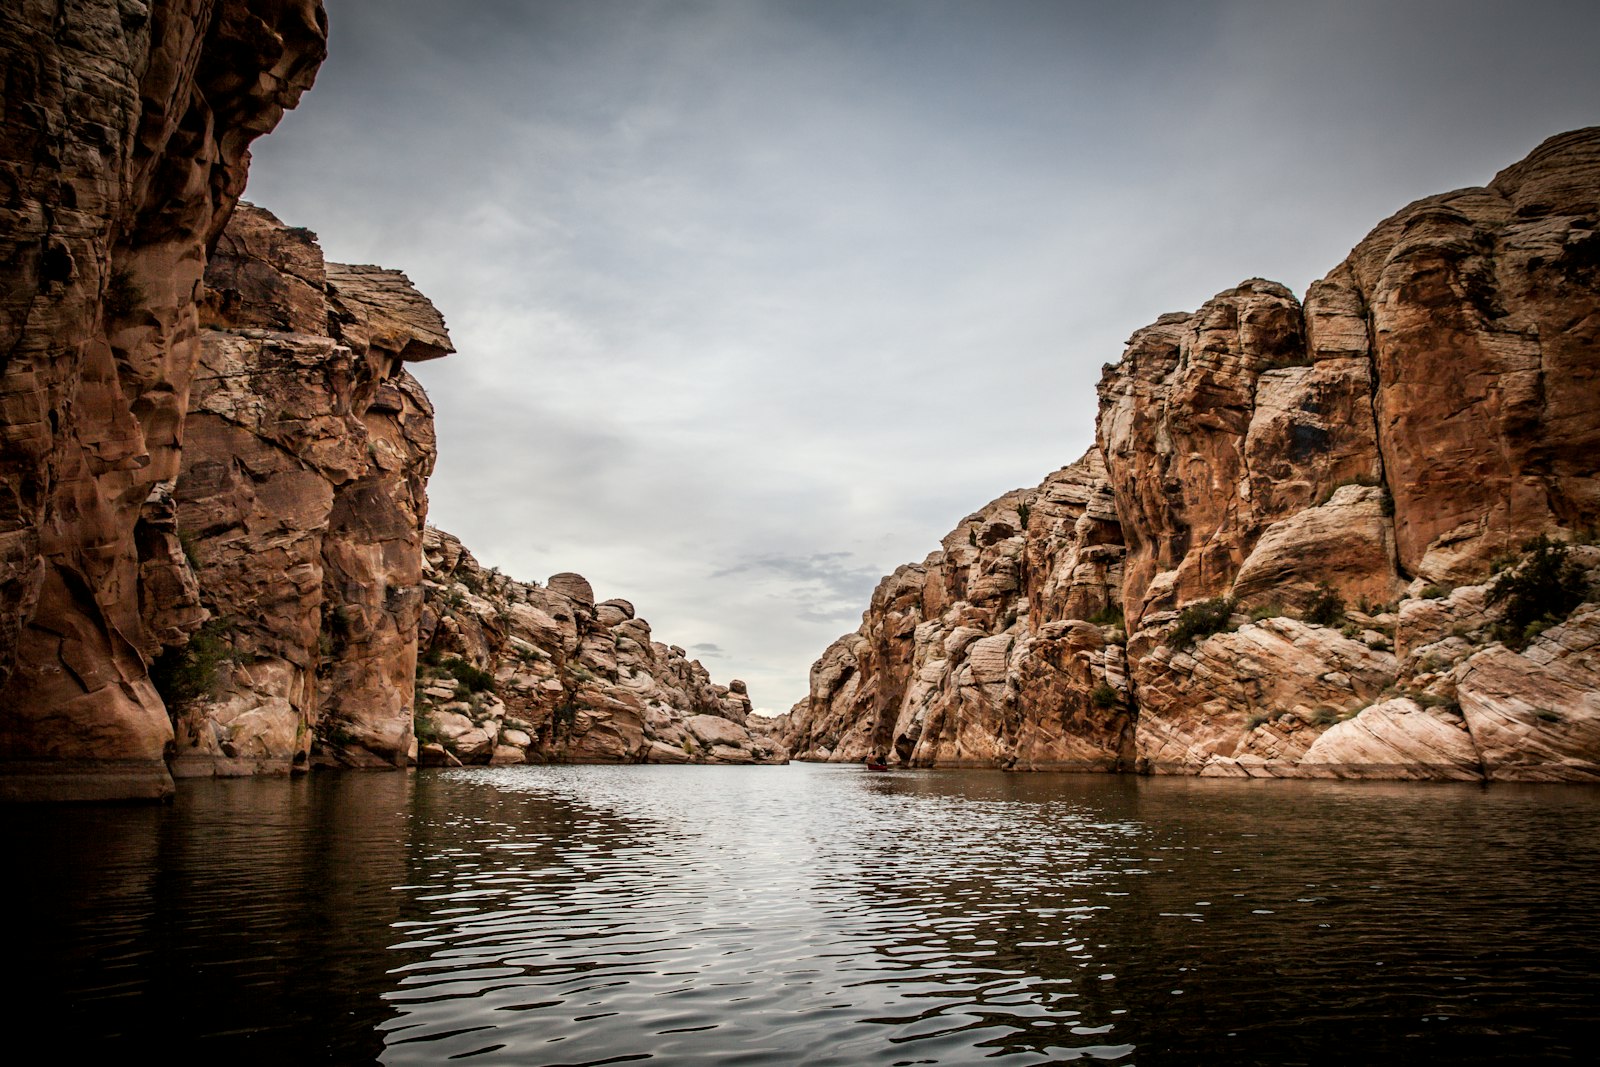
871, 766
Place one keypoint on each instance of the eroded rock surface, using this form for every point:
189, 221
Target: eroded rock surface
1343, 477
125, 146
302, 501
980, 655
515, 672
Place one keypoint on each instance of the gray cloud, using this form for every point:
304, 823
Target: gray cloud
754, 301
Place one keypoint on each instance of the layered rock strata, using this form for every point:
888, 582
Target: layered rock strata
125, 146
1382, 448
302, 502
513, 672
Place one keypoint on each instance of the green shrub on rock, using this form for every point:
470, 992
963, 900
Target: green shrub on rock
476, 681
1538, 593
1201, 620
1326, 608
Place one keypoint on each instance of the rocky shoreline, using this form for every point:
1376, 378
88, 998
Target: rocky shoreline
1281, 557
1352, 536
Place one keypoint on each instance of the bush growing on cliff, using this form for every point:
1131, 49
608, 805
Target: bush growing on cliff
1104, 696
1538, 593
184, 675
1263, 612
1326, 607
425, 728
1110, 615
476, 681
1201, 620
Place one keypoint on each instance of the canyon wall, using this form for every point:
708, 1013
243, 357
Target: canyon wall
125, 146
301, 504
1297, 545
513, 672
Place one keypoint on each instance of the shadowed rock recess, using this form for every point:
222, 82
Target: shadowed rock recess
1309, 540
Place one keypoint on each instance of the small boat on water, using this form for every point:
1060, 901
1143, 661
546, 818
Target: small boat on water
874, 765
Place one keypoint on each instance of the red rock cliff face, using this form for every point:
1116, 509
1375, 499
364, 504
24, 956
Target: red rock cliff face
1392, 443
125, 146
302, 501
981, 655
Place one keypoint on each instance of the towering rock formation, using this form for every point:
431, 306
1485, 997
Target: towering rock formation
125, 146
512, 672
1266, 467
981, 655
302, 502
214, 465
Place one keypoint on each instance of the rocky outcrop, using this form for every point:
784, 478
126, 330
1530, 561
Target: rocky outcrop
512, 672
1003, 648
302, 502
125, 146
1304, 510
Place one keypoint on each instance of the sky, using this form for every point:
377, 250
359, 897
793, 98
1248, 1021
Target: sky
754, 301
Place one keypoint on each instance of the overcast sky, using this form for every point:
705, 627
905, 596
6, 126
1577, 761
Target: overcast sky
755, 300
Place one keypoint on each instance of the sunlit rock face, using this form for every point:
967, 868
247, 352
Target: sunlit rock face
981, 655
302, 502
513, 672
1433, 405
124, 149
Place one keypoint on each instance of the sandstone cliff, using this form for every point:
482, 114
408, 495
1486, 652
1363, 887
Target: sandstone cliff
301, 504
125, 146
1327, 491
513, 672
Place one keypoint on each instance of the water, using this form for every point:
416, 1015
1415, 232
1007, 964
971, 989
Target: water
812, 914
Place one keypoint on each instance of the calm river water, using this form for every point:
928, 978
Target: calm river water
812, 914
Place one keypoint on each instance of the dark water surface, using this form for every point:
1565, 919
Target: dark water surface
817, 915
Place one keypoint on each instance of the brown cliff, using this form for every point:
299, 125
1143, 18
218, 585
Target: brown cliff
512, 672
302, 502
125, 146
1316, 479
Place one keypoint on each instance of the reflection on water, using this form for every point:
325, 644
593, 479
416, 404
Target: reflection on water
570, 915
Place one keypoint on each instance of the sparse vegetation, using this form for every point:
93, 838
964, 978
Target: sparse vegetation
1435, 592
1326, 607
476, 680
1200, 620
1110, 615
424, 726
1104, 696
1023, 511
1434, 700
1262, 612
184, 675
186, 542
1256, 720
1539, 592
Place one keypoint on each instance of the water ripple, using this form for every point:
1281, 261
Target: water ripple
586, 915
